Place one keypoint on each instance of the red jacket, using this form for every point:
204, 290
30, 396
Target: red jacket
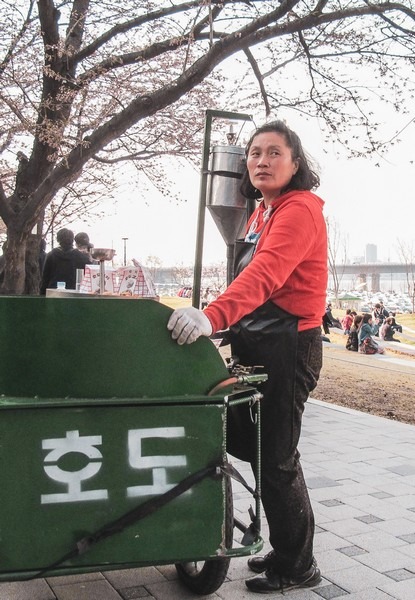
289, 266
347, 322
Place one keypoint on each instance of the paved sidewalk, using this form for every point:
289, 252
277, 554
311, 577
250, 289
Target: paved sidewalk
360, 470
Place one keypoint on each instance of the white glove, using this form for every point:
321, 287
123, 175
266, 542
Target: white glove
187, 324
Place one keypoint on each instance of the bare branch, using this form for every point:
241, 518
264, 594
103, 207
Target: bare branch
149, 17
20, 34
321, 4
259, 78
76, 26
389, 21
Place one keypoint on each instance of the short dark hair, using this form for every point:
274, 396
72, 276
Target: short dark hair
366, 317
305, 178
357, 320
82, 239
65, 238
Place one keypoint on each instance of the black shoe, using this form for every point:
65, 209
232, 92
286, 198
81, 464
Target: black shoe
273, 582
259, 564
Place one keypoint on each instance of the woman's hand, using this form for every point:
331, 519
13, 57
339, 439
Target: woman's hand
188, 324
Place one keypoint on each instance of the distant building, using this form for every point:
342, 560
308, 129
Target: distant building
358, 260
371, 253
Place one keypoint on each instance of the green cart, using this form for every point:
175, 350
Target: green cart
113, 443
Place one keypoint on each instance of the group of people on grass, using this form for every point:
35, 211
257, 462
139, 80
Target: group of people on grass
361, 329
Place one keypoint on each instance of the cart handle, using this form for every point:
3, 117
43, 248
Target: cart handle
252, 379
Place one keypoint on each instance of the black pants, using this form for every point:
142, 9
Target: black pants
285, 497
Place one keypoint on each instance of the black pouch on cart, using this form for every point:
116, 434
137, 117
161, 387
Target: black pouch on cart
267, 339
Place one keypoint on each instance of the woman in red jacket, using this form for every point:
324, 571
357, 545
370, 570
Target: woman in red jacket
273, 309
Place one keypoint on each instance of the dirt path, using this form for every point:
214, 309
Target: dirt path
368, 383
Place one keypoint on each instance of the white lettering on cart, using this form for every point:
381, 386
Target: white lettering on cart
73, 479
157, 463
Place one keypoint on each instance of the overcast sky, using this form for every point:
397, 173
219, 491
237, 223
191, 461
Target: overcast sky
371, 204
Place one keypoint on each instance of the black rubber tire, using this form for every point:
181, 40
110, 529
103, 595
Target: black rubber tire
206, 577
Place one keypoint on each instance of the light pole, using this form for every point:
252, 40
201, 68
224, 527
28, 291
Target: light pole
125, 251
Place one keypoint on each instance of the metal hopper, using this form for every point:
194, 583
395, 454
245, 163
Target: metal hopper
222, 170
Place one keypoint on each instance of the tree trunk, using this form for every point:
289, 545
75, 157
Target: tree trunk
15, 267
33, 275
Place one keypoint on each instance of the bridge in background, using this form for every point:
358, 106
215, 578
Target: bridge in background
373, 271
368, 268
365, 273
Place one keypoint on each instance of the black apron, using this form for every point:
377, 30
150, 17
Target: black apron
267, 337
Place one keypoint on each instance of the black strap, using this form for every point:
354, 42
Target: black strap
229, 470
251, 533
134, 515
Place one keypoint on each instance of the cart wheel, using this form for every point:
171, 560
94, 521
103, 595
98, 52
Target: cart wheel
205, 577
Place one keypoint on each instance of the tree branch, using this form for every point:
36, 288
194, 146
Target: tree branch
143, 106
48, 17
15, 110
394, 25
155, 50
5, 210
74, 34
321, 4
9, 54
172, 44
133, 24
259, 78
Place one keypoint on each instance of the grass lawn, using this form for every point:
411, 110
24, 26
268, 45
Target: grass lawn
406, 319
175, 301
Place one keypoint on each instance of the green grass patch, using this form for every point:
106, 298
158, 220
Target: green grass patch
406, 319
175, 301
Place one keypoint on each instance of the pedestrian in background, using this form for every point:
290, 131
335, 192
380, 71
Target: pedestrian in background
62, 262
42, 256
82, 242
347, 321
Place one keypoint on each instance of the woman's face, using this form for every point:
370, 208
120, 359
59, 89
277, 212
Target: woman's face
270, 164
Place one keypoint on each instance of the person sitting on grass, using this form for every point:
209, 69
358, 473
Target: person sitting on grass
352, 342
395, 325
367, 345
387, 331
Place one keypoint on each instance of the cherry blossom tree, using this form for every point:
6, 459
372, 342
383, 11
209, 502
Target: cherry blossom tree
87, 85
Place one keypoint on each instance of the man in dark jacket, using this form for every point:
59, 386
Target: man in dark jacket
62, 262
329, 319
